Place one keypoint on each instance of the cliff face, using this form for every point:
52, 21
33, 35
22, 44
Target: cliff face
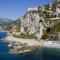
30, 21
33, 24
37, 19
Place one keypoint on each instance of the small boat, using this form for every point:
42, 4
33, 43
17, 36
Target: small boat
9, 45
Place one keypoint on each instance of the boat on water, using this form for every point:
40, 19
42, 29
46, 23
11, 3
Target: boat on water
9, 45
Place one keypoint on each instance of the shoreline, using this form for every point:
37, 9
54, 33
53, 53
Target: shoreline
33, 42
26, 45
21, 45
29, 42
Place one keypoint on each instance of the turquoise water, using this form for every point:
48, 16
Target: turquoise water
41, 53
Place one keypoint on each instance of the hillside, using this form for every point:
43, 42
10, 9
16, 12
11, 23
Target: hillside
39, 21
8, 26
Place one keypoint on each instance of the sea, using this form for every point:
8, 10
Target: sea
40, 53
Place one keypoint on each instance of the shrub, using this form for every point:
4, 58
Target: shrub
26, 36
45, 35
55, 28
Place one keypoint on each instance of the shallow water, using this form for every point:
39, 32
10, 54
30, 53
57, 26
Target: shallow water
41, 53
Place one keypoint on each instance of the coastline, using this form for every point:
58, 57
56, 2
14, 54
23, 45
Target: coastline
26, 45
29, 42
21, 45
33, 42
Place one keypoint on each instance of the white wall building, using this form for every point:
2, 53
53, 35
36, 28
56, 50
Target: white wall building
33, 9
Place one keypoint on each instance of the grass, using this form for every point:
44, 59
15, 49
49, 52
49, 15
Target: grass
26, 36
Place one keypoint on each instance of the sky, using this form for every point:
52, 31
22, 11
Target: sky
14, 9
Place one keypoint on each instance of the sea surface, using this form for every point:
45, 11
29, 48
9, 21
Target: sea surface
41, 53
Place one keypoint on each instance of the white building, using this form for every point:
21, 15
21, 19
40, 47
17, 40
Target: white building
33, 9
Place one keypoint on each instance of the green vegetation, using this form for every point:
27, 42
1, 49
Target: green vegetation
55, 28
45, 35
26, 36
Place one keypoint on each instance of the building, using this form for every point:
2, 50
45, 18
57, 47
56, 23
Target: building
58, 8
33, 9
